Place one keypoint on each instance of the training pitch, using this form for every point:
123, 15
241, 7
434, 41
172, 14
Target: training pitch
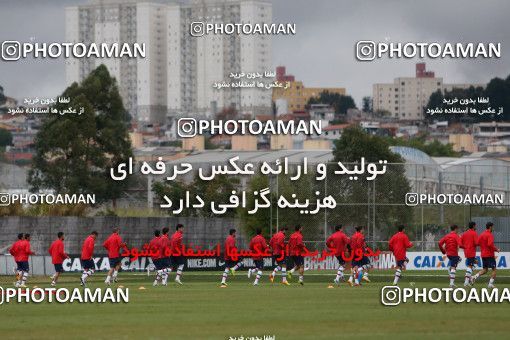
200, 309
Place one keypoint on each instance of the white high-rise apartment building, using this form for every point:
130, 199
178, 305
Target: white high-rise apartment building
179, 70
407, 97
142, 81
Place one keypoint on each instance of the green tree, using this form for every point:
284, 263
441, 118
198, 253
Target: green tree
217, 190
360, 196
74, 152
339, 102
433, 149
497, 90
5, 138
435, 100
367, 104
266, 218
438, 149
175, 192
262, 218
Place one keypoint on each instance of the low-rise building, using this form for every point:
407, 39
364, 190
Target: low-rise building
296, 94
463, 142
407, 97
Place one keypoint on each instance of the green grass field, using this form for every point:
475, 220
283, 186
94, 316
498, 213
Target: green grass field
200, 309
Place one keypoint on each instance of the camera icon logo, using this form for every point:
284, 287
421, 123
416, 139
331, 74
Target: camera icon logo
197, 29
5, 199
365, 50
187, 127
391, 296
411, 199
11, 50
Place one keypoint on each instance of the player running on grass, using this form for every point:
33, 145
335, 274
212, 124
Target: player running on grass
164, 249
338, 243
177, 259
156, 257
487, 247
277, 245
469, 240
258, 247
449, 245
58, 255
87, 262
399, 243
296, 249
358, 247
232, 262
15, 252
113, 244
25, 252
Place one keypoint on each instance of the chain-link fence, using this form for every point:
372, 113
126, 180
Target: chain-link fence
425, 198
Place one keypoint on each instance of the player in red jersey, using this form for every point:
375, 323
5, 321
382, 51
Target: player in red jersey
87, 262
358, 247
469, 240
156, 256
338, 243
399, 243
258, 247
177, 259
296, 250
113, 244
487, 248
58, 255
24, 252
277, 245
449, 245
15, 252
232, 261
165, 251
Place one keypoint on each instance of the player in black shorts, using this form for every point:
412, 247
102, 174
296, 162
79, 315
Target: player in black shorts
258, 247
487, 247
232, 261
277, 245
297, 249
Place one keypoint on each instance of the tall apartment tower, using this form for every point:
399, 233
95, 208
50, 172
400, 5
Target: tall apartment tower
142, 81
196, 63
178, 73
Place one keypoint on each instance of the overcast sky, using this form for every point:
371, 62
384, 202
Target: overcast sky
320, 54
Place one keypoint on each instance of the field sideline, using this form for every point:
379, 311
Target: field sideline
200, 309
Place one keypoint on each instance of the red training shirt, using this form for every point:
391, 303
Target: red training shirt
337, 242
450, 244
24, 250
296, 245
113, 244
15, 250
358, 241
486, 242
230, 248
258, 245
277, 243
176, 243
58, 255
154, 247
87, 250
164, 245
469, 240
399, 244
